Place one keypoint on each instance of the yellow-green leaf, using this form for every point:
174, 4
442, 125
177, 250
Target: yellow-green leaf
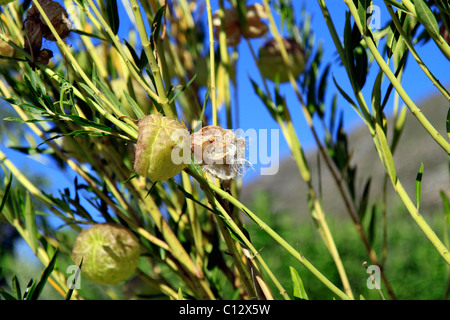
299, 289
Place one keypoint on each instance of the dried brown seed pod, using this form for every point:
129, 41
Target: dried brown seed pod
162, 142
255, 27
44, 56
33, 37
271, 62
219, 151
58, 17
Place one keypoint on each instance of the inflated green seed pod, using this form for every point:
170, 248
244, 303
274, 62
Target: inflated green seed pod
157, 139
271, 62
110, 253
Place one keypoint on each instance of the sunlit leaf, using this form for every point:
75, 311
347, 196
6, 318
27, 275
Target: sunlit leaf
297, 283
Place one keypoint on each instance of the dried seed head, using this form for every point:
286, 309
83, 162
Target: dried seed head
58, 17
271, 62
255, 27
220, 152
157, 139
33, 37
44, 56
110, 253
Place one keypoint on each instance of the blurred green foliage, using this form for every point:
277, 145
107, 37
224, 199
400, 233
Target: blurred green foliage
413, 267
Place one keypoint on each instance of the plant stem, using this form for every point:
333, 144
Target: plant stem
223, 194
212, 65
299, 155
414, 53
145, 39
367, 120
397, 85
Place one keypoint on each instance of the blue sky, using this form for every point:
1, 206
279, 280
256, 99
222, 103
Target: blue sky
252, 113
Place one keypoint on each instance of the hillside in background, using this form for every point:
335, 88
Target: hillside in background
287, 190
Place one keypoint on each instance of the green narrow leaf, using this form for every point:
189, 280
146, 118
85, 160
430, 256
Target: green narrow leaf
136, 109
191, 197
448, 123
208, 92
372, 224
297, 283
419, 185
72, 287
112, 15
44, 277
267, 102
364, 199
376, 97
398, 127
363, 6
30, 223
6, 194
347, 97
6, 295
388, 160
133, 54
427, 18
29, 290
180, 294
156, 26
84, 33
16, 287
182, 89
446, 203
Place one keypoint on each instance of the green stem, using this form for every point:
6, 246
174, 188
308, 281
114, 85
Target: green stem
68, 54
162, 97
437, 38
225, 195
300, 158
397, 85
212, 66
368, 121
415, 54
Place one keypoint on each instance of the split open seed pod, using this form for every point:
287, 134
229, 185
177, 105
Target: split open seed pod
110, 253
271, 61
219, 152
162, 147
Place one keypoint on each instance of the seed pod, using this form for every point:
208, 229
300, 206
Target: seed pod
220, 152
110, 253
444, 33
44, 56
161, 147
58, 17
255, 27
232, 28
271, 62
33, 36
